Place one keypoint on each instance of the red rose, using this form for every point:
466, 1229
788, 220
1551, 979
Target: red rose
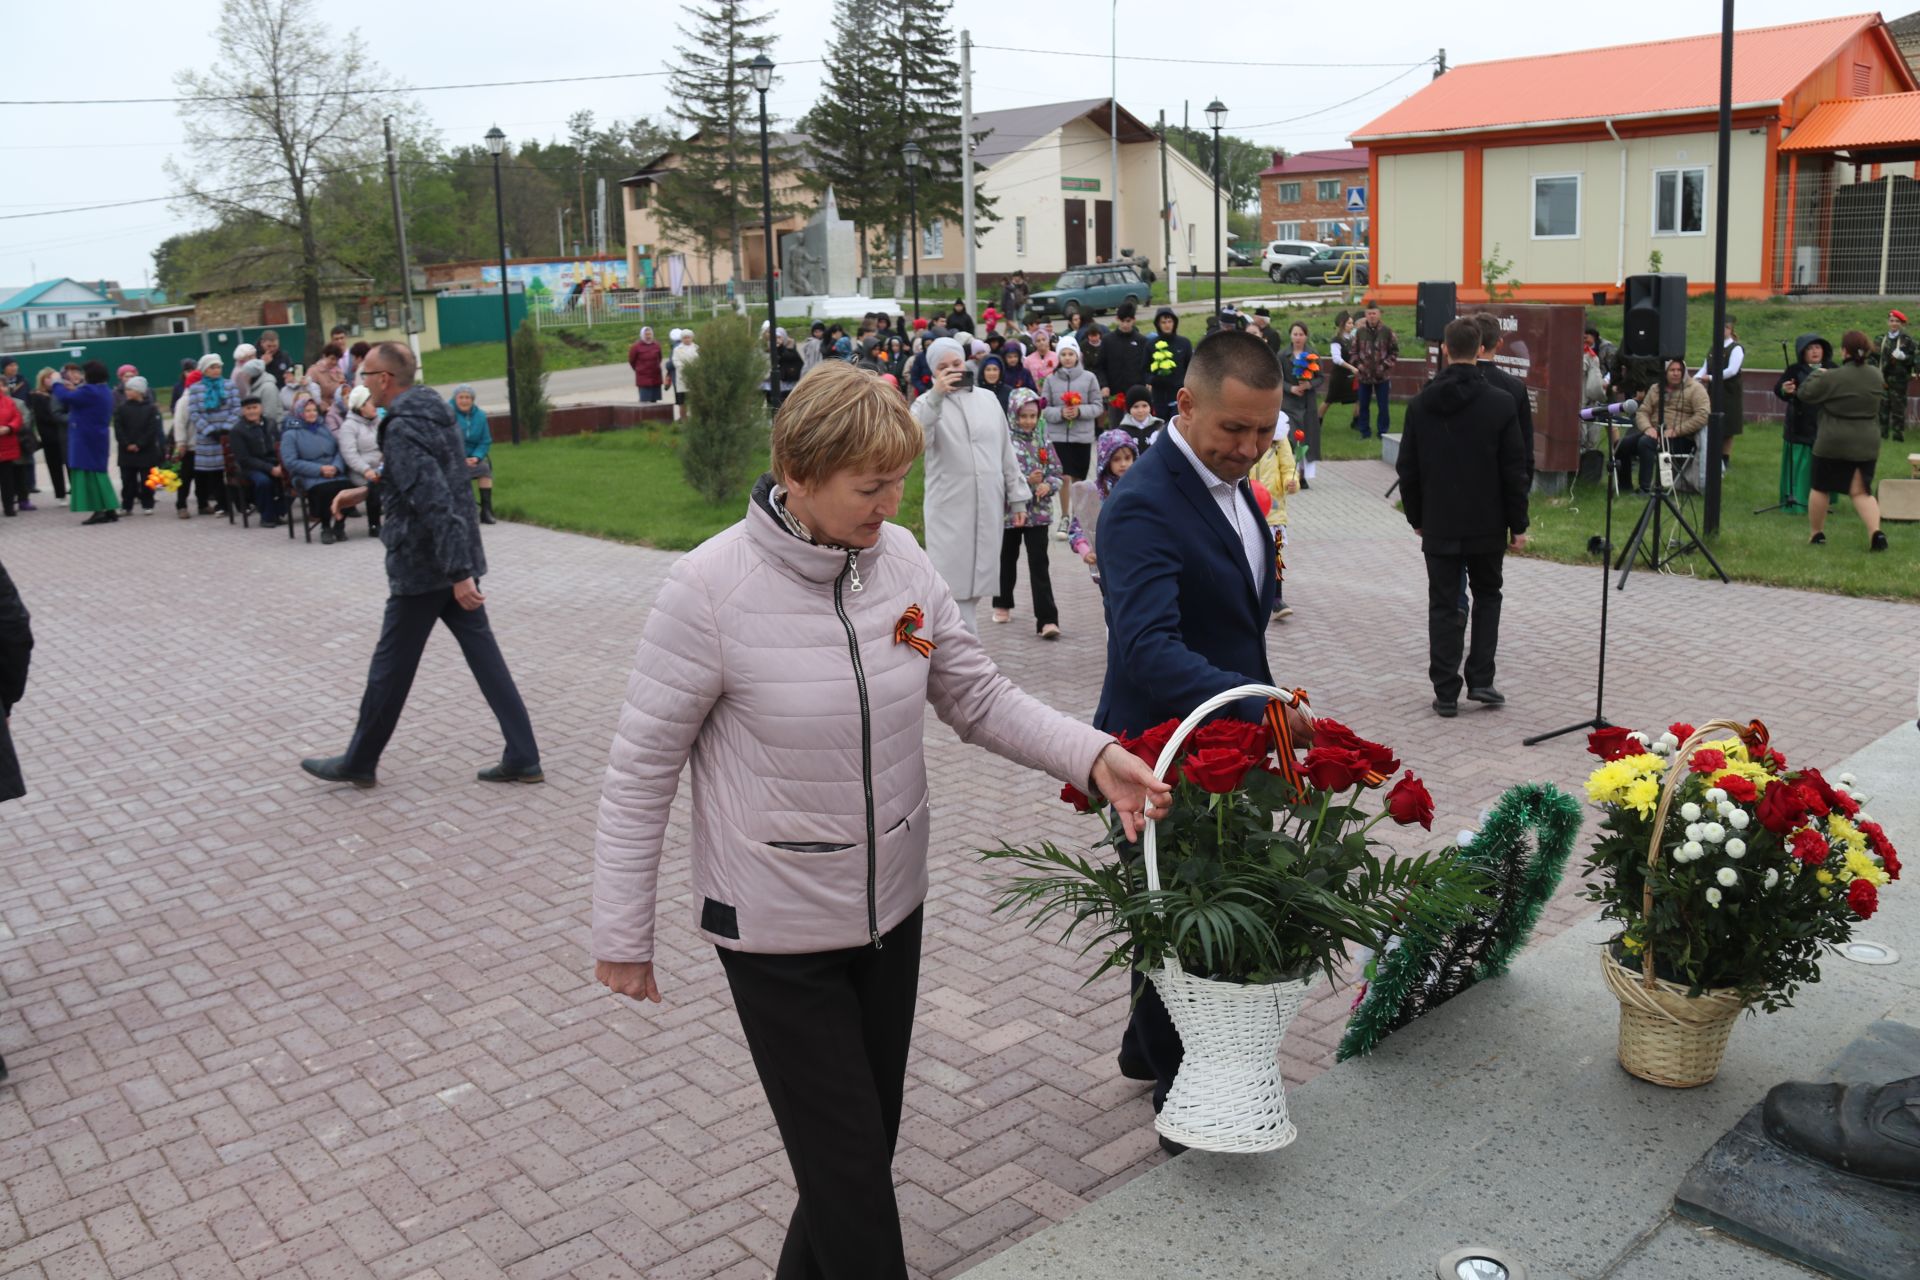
1244, 736
1409, 802
1150, 744
1335, 768
1708, 760
1612, 743
1811, 847
1331, 733
1781, 809
1217, 769
1680, 730
1077, 798
1863, 898
1737, 787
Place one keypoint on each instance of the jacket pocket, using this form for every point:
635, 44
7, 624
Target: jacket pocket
807, 846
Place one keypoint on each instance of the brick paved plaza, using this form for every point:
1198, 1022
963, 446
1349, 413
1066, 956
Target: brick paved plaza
263, 1027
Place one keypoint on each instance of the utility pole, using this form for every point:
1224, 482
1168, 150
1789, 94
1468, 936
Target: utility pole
560, 240
583, 206
971, 279
400, 233
1166, 216
1113, 124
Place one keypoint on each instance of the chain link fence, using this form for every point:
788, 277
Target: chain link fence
1835, 231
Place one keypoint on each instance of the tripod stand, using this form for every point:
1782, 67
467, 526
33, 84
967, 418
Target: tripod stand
1661, 499
1599, 719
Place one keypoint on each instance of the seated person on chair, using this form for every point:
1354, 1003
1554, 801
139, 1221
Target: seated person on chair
1681, 405
309, 451
256, 458
359, 438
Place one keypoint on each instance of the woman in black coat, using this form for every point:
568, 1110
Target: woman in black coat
1802, 424
16, 647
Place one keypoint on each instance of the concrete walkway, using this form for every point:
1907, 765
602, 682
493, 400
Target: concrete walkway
265, 1028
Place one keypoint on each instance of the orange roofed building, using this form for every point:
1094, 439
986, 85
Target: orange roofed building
1577, 168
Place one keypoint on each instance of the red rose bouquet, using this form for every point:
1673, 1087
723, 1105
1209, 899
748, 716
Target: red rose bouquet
1761, 867
1268, 863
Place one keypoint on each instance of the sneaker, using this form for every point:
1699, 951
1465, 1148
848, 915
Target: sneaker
1879, 542
26, 506
1282, 612
185, 514
1060, 534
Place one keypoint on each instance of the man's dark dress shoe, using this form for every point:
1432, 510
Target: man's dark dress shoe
334, 769
1870, 1131
1171, 1147
1447, 710
1489, 695
500, 773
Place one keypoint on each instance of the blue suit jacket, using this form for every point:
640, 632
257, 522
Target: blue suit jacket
1185, 620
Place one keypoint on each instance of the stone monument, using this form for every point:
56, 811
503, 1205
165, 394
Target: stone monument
820, 262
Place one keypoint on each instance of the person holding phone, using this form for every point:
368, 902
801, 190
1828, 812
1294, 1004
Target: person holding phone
972, 478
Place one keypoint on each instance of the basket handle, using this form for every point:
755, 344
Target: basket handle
1149, 841
1752, 733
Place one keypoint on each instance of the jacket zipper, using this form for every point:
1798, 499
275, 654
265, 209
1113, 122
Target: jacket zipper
852, 570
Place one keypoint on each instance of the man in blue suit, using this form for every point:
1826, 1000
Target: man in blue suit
1189, 568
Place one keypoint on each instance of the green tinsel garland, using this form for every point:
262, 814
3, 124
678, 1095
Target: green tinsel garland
1413, 978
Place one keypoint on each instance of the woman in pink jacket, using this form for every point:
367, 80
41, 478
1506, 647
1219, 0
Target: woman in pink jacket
792, 658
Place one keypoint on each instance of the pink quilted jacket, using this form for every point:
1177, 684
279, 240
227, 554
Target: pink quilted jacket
772, 662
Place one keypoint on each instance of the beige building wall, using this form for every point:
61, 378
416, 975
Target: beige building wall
1419, 211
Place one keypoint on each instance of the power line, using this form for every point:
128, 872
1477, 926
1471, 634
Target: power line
1320, 111
185, 195
1194, 62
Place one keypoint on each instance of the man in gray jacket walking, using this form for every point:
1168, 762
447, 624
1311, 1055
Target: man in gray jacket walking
434, 567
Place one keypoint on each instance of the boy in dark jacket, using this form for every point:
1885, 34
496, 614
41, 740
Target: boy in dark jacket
1463, 484
139, 442
1124, 353
1168, 355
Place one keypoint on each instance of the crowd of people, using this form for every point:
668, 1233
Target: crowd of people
253, 428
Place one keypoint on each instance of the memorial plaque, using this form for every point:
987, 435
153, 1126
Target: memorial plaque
1541, 346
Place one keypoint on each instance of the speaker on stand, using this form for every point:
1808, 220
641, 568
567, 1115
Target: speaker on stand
1434, 308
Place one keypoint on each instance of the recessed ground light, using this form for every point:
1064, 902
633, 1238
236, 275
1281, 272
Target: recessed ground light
1860, 951
1479, 1262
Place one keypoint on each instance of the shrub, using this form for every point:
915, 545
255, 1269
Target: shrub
727, 426
530, 381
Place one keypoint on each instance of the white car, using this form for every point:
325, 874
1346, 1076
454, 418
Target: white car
1285, 256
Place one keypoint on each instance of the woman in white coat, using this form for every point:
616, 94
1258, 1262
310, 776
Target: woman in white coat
972, 477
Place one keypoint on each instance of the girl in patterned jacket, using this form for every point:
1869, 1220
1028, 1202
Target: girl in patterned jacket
1027, 521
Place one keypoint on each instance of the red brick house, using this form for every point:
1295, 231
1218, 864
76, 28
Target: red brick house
1312, 195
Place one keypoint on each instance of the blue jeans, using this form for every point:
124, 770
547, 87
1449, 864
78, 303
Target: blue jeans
1377, 392
266, 494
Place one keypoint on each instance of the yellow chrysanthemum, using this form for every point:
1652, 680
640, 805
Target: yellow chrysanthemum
1732, 748
1824, 876
1630, 780
1642, 795
1861, 867
1756, 774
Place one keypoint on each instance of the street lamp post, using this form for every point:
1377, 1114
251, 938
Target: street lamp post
1216, 116
762, 69
913, 155
497, 143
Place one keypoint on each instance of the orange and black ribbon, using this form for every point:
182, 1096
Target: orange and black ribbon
906, 631
1755, 737
1283, 739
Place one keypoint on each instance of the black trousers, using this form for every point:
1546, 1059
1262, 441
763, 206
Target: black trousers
12, 490
1447, 629
1150, 1037
403, 638
212, 486
829, 1035
133, 486
1034, 538
320, 495
1643, 447
53, 447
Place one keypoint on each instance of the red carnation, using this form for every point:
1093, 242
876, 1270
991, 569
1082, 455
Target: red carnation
1247, 738
1775, 760
1811, 847
1863, 898
1612, 743
1877, 841
1810, 797
1680, 730
1217, 769
1781, 809
1737, 787
1708, 760
1077, 798
1335, 768
1409, 802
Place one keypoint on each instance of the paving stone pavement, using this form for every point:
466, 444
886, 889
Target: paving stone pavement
261, 1027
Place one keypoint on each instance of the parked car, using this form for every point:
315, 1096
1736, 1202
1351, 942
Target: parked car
1237, 258
1095, 288
1283, 255
1330, 262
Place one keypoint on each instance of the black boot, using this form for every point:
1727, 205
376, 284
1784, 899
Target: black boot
486, 506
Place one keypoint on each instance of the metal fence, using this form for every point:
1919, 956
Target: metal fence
1835, 231
630, 307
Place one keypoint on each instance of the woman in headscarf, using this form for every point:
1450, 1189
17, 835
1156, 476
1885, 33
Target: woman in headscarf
90, 443
644, 359
992, 377
213, 406
477, 443
1011, 358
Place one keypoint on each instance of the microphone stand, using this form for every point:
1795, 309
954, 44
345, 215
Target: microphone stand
1599, 718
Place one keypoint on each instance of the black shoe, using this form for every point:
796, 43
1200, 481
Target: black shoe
373, 530
1136, 1068
340, 531
1489, 695
1171, 1147
486, 516
328, 537
500, 773
1817, 540
269, 524
98, 517
1303, 485
3, 1070
1879, 542
1446, 708
334, 769
1870, 1131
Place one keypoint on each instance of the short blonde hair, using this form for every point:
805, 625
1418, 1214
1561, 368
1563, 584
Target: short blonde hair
839, 418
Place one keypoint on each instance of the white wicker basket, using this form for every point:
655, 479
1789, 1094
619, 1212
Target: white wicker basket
1228, 1095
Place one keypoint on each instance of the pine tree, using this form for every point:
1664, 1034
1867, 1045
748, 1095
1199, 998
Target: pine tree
712, 88
850, 126
927, 75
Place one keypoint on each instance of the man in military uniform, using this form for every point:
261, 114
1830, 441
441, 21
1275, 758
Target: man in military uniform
1895, 358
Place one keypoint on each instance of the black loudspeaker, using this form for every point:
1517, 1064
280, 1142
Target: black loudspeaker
1434, 309
1656, 319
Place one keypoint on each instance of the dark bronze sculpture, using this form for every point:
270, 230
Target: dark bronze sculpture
1871, 1131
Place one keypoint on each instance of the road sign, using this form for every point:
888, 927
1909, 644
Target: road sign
1356, 199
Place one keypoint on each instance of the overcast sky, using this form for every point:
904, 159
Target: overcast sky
58, 156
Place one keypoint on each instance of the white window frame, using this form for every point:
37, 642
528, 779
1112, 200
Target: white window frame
933, 238
1286, 231
1020, 235
1533, 206
1321, 186
1680, 173
1325, 229
1280, 190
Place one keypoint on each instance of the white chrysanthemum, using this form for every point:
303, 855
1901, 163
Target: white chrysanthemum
1773, 878
1695, 831
1714, 833
1713, 897
1716, 794
1660, 749
1690, 811
1736, 848
1691, 850
1739, 819
1640, 737
1464, 839
1846, 779
1727, 876
1727, 807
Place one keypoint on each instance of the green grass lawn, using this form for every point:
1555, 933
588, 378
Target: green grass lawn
626, 486
565, 348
